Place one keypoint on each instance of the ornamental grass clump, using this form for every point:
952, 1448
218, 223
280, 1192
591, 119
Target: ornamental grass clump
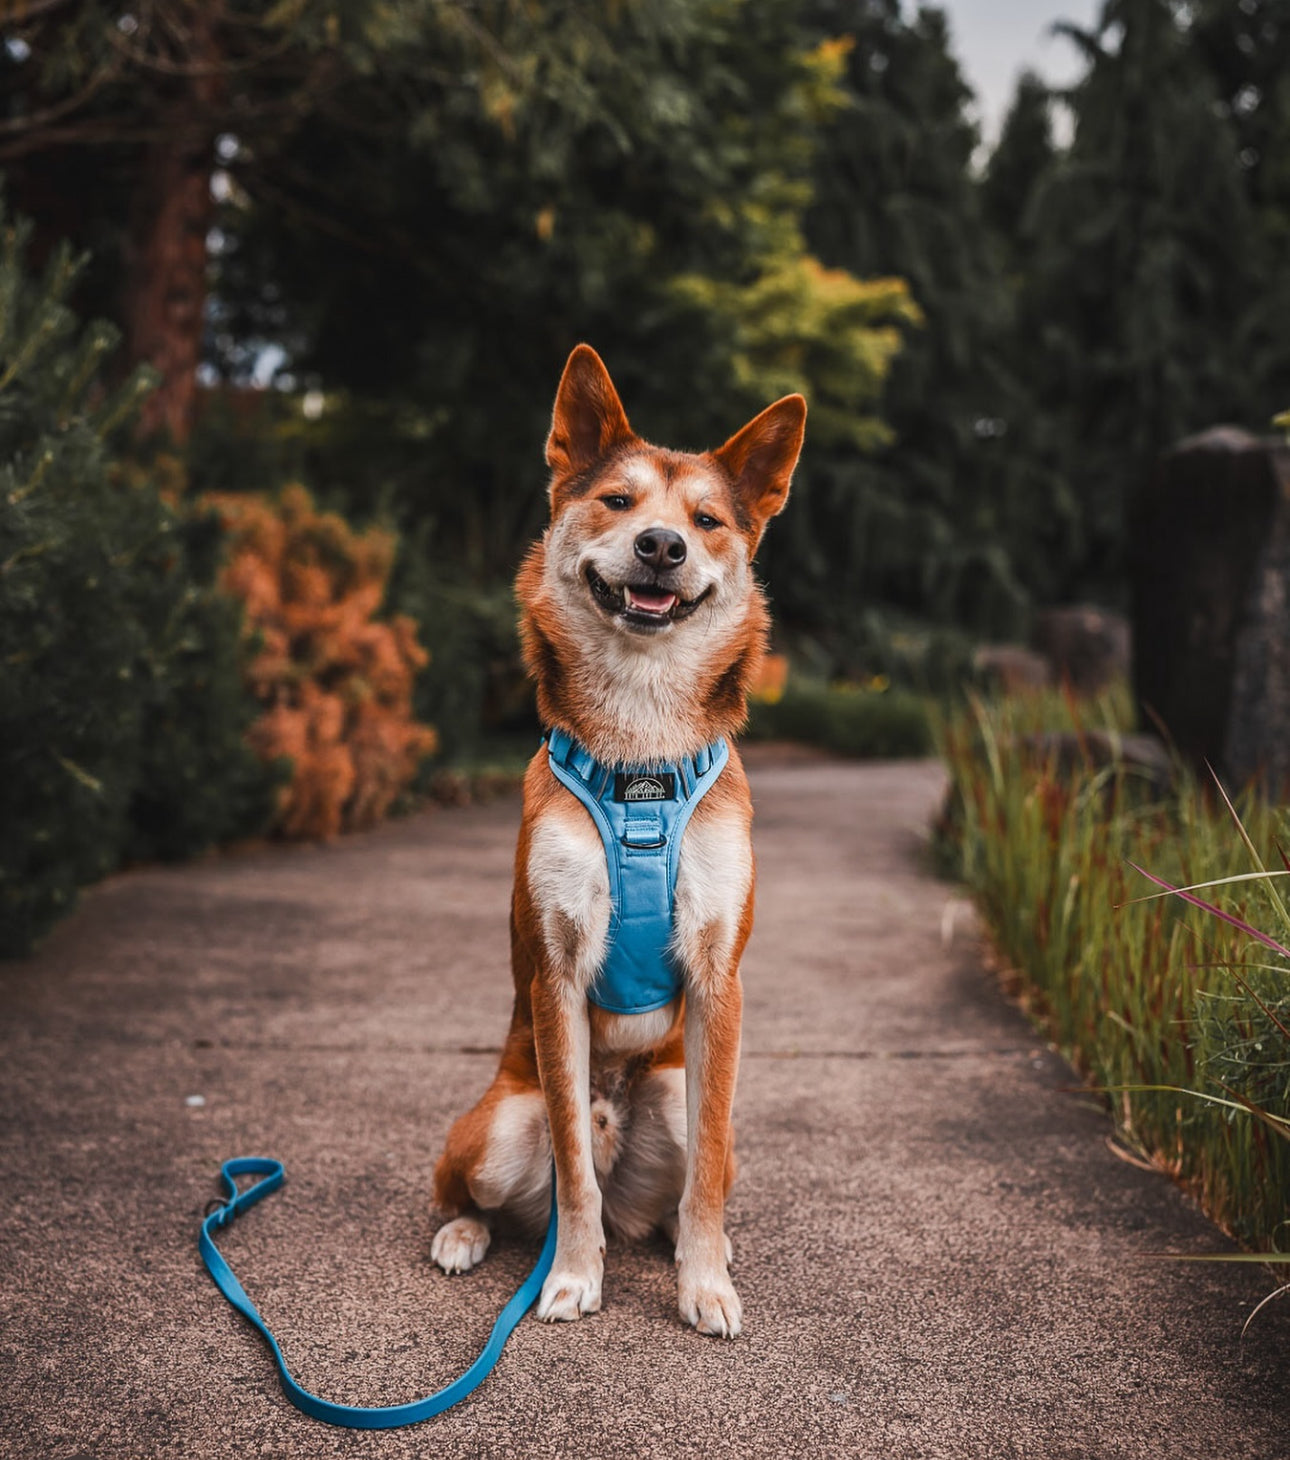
1176, 1007
1245, 1035
334, 682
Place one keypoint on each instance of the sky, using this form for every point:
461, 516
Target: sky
994, 40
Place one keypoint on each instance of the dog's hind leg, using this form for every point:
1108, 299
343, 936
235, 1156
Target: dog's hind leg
461, 1244
648, 1177
497, 1159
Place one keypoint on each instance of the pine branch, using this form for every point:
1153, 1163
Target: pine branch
62, 108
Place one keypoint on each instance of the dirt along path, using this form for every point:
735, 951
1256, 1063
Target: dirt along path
937, 1252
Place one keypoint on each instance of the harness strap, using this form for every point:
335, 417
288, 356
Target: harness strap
356, 1417
641, 835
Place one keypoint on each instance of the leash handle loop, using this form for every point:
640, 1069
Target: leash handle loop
350, 1416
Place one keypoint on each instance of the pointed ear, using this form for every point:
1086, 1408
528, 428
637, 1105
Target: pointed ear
589, 419
762, 456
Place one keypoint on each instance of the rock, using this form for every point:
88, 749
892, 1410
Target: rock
1144, 758
1088, 647
1011, 668
1210, 584
1145, 776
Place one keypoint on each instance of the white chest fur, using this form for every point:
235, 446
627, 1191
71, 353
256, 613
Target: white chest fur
569, 884
712, 887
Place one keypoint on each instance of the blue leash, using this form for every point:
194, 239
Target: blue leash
357, 1417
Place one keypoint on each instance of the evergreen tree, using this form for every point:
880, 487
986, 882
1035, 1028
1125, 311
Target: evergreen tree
1023, 156
1245, 48
943, 524
1144, 259
121, 707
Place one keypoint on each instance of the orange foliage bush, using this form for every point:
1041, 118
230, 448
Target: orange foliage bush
335, 684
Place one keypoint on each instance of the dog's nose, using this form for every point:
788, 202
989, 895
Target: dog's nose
660, 548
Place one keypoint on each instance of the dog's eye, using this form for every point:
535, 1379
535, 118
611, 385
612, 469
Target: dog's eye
706, 522
617, 503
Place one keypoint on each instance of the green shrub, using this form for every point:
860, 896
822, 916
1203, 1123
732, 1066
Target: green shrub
120, 722
474, 689
196, 782
866, 723
858, 645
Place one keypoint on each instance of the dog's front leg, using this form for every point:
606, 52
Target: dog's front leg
562, 1035
567, 886
705, 1294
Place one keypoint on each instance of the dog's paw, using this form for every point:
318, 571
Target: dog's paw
567, 1295
709, 1303
460, 1245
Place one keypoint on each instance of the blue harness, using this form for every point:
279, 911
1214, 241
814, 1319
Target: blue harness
641, 816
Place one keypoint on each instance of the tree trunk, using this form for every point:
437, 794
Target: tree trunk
163, 307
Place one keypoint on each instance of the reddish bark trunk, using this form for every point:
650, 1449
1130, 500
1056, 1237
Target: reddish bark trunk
165, 293
164, 300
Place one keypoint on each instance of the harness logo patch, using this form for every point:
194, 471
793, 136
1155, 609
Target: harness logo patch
628, 787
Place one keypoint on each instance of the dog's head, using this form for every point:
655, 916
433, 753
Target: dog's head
641, 621
648, 540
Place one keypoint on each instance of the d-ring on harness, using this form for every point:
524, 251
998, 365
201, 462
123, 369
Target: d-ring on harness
640, 816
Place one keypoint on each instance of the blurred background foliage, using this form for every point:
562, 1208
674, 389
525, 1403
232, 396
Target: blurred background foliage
354, 241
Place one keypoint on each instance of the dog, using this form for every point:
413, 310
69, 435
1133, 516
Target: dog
643, 627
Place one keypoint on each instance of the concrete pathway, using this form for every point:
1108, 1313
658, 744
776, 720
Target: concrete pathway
937, 1252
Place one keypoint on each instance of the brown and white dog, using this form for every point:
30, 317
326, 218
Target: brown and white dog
643, 627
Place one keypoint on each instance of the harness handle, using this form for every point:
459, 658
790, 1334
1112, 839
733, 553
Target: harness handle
351, 1416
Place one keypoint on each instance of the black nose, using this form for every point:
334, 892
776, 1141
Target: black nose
660, 548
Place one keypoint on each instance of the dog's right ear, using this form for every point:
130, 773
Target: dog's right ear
588, 420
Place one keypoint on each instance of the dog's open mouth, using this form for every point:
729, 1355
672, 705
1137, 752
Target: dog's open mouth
642, 605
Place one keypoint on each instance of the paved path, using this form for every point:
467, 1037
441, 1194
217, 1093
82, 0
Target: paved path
938, 1255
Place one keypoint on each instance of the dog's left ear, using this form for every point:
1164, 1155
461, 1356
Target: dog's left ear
762, 456
588, 420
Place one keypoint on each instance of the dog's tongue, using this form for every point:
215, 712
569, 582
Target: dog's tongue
652, 600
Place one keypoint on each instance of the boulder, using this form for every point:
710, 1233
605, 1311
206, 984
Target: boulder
1209, 556
1011, 668
1142, 759
1087, 647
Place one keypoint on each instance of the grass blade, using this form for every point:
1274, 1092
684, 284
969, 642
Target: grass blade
1278, 1122
1222, 1256
1249, 845
1200, 886
1275, 1293
1247, 928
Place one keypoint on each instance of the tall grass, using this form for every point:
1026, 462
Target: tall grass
1138, 989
